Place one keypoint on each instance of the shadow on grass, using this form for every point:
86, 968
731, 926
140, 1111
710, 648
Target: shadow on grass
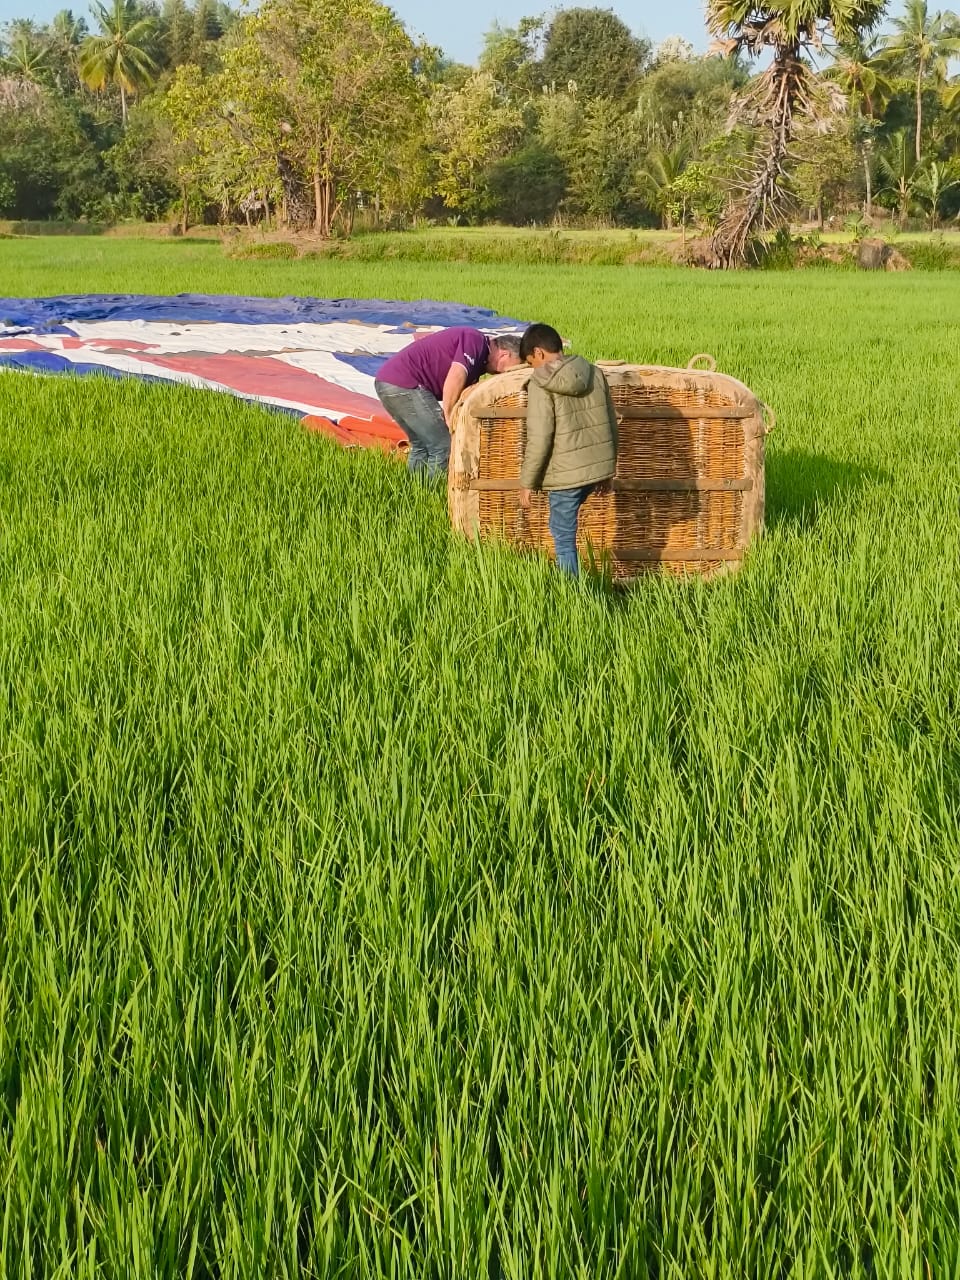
802, 485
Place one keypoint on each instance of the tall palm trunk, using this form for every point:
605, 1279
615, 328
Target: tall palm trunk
123, 104
919, 106
780, 90
867, 180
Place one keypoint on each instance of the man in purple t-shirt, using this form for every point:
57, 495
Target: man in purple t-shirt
420, 385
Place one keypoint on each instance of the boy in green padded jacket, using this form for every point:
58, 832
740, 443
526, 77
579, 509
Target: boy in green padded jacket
571, 435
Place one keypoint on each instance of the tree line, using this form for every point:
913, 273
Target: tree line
314, 113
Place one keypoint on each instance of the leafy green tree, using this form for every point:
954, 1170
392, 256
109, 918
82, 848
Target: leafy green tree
313, 95
142, 164
602, 161
788, 34
223, 145
825, 160
596, 51
207, 30
49, 166
206, 22
227, 17
176, 32
344, 74
922, 45
599, 144
949, 117
21, 103
123, 53
473, 128
527, 186
510, 55
683, 107
697, 194
559, 121
8, 193
688, 96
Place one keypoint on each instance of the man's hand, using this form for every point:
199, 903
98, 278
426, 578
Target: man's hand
525, 499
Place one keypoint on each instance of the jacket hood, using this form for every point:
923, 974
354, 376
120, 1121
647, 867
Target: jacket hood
573, 376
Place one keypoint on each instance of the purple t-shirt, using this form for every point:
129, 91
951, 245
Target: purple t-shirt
426, 361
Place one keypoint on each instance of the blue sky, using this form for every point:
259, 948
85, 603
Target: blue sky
461, 37
460, 34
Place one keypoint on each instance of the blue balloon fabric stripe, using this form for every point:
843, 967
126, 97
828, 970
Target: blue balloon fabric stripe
50, 315
317, 358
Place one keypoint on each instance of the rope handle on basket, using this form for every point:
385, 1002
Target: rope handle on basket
694, 362
769, 418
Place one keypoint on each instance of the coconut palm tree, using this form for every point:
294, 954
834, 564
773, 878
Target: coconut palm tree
66, 32
923, 45
932, 183
664, 166
861, 74
899, 172
68, 28
28, 56
122, 53
789, 32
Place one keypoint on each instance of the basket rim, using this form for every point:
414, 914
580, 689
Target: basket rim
516, 380
705, 376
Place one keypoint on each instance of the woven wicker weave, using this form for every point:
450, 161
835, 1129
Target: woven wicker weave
688, 495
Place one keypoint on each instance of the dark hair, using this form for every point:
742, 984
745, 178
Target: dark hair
542, 336
506, 342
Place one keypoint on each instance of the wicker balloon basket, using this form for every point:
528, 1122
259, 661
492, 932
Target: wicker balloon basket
688, 496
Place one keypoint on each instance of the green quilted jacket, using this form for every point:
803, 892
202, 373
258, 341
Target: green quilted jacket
571, 427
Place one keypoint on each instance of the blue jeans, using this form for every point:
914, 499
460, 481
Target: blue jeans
419, 413
565, 507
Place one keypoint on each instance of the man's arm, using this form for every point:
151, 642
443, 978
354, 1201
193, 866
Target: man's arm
541, 427
453, 386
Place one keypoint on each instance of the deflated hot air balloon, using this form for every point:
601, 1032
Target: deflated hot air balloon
314, 357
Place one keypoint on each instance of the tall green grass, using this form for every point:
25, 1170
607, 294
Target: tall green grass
374, 905
485, 247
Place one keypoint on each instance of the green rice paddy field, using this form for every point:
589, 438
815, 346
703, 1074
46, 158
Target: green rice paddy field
375, 906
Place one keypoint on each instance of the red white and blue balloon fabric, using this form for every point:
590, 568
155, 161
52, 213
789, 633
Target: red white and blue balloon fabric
314, 357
